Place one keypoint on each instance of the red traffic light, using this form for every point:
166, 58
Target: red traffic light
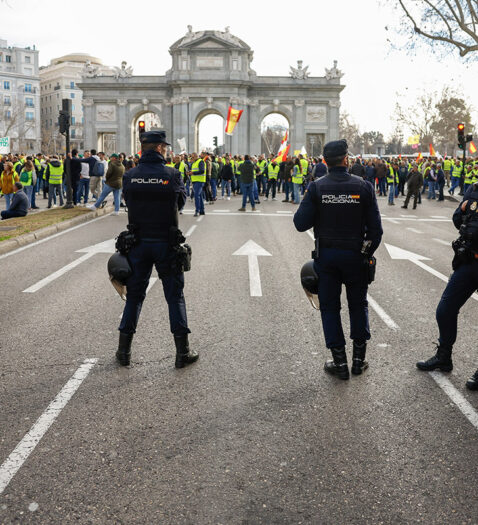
461, 127
141, 126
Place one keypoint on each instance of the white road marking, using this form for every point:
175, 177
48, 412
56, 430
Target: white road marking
241, 214
409, 216
40, 284
413, 230
101, 247
26, 446
200, 218
221, 211
190, 231
288, 212
382, 314
253, 252
310, 233
41, 241
463, 405
395, 221
439, 217
441, 241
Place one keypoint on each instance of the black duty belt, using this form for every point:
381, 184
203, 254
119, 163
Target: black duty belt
341, 244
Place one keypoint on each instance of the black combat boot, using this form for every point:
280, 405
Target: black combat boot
358, 358
123, 354
472, 383
338, 366
441, 360
184, 355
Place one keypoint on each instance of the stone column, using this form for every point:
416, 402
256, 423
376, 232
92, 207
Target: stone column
299, 125
254, 146
333, 131
123, 139
90, 136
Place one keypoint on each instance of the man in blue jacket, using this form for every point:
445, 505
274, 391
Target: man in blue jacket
343, 211
19, 205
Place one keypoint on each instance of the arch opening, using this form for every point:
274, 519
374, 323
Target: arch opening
273, 128
210, 132
152, 122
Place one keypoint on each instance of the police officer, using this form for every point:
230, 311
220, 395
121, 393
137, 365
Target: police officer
343, 211
154, 193
461, 286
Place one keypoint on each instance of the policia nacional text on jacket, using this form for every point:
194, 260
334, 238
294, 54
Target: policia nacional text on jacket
153, 194
343, 211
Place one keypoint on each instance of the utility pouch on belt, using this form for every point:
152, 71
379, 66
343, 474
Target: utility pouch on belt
371, 266
126, 240
181, 261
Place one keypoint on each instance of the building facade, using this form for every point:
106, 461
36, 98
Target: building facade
211, 70
20, 98
60, 80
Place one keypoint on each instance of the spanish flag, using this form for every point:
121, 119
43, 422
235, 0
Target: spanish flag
432, 151
233, 116
473, 149
420, 157
283, 150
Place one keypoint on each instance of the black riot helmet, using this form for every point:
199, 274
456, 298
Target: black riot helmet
310, 283
119, 270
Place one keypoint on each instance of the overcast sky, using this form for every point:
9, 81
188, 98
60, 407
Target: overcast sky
280, 32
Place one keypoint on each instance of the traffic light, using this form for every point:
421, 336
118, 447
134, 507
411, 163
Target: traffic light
141, 127
64, 121
214, 140
461, 136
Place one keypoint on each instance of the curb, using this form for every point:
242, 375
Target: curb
43, 233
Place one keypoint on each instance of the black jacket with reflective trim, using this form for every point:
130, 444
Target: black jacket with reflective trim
342, 209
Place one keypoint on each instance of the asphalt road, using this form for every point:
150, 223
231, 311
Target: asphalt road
254, 432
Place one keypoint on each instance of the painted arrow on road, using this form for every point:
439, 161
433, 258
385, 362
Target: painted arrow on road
400, 253
101, 247
253, 251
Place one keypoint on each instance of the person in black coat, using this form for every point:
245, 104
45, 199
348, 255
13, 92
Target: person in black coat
75, 171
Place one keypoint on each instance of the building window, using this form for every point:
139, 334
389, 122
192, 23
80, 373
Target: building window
8, 58
28, 59
73, 133
29, 102
28, 88
6, 84
72, 85
6, 100
8, 114
73, 107
29, 115
72, 95
73, 121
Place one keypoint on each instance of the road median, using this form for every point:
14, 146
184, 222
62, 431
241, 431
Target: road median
21, 231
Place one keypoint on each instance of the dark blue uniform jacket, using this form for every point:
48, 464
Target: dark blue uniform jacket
343, 211
153, 193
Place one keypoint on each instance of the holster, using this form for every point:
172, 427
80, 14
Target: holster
370, 263
126, 240
182, 253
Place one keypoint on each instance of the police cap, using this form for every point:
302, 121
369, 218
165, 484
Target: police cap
336, 148
154, 137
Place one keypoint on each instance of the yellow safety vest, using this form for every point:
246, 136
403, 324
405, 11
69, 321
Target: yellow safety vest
305, 167
182, 168
297, 178
170, 165
447, 165
262, 165
29, 177
195, 169
56, 174
272, 171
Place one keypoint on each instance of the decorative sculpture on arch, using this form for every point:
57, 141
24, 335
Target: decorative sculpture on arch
333, 73
89, 70
299, 72
123, 71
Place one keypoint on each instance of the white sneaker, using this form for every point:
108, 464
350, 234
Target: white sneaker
116, 213
274, 199
91, 206
229, 198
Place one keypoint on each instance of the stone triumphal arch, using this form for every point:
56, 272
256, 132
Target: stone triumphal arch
211, 70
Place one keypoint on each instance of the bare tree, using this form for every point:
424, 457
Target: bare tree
349, 131
419, 117
452, 23
15, 125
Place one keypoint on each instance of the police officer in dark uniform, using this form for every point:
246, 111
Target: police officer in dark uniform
343, 211
461, 286
154, 193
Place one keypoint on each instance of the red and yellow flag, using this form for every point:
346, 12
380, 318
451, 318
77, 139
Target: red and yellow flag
233, 116
432, 151
420, 157
283, 150
473, 149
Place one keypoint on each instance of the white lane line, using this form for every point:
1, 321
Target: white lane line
288, 212
248, 212
26, 446
41, 241
441, 241
413, 230
395, 221
221, 211
40, 284
439, 217
463, 405
382, 314
310, 233
409, 216
190, 231
200, 218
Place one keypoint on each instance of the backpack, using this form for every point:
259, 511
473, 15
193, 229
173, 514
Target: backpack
98, 169
25, 176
